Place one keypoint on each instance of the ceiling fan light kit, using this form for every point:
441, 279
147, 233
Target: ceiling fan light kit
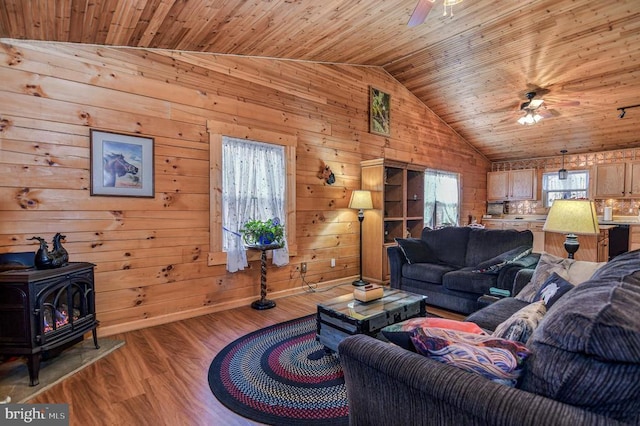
423, 7
530, 117
450, 4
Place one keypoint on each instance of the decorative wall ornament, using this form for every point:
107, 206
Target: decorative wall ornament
379, 112
121, 165
326, 174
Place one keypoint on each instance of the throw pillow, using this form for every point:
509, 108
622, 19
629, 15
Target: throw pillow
495, 264
520, 326
574, 271
416, 251
400, 333
553, 288
498, 360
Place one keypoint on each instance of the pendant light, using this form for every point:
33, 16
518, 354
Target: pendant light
563, 173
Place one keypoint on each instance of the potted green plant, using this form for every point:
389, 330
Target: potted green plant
263, 232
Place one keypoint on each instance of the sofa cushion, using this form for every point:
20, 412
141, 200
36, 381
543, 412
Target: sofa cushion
552, 290
491, 316
499, 360
466, 279
520, 326
574, 271
429, 272
485, 244
497, 263
416, 250
449, 244
400, 333
590, 341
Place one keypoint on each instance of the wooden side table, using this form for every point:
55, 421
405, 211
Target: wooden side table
263, 302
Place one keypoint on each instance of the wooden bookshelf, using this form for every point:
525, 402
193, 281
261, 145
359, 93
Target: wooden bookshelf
397, 190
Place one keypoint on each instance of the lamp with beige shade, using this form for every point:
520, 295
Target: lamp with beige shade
573, 218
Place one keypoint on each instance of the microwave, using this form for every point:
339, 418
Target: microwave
495, 209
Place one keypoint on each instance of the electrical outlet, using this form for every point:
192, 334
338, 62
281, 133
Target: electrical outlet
333, 263
303, 267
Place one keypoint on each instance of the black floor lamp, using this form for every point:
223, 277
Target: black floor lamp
360, 200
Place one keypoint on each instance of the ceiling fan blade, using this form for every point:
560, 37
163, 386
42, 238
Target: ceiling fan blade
420, 12
549, 113
567, 103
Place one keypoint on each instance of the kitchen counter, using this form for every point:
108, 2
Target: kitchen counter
617, 220
618, 235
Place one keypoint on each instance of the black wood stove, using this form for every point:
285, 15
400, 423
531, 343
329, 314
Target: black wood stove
45, 310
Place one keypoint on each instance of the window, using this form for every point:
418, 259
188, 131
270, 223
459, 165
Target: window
252, 176
576, 185
442, 199
253, 187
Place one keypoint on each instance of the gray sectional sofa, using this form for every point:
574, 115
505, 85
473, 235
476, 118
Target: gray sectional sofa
584, 367
454, 266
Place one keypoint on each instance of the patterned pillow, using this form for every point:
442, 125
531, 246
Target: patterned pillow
520, 326
498, 360
574, 271
400, 333
553, 289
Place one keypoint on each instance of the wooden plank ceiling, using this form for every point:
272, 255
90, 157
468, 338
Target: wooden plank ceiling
472, 69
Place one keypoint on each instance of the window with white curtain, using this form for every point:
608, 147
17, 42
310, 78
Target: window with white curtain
442, 198
252, 174
253, 187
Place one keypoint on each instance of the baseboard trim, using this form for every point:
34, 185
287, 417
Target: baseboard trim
192, 313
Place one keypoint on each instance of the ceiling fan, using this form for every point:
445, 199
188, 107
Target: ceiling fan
423, 8
531, 115
534, 110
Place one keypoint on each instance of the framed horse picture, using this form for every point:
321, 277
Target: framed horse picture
121, 165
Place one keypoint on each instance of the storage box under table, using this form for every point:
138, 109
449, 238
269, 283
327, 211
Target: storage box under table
344, 316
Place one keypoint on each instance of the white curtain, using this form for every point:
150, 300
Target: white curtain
253, 187
441, 192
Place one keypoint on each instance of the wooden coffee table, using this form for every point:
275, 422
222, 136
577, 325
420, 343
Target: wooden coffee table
344, 316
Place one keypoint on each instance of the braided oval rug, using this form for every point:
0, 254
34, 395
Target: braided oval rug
281, 375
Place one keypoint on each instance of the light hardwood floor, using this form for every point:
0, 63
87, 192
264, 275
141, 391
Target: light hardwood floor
159, 377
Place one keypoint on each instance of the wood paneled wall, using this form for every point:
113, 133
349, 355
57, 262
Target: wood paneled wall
151, 254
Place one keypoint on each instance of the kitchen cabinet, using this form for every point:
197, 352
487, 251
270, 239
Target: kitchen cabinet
634, 237
492, 224
593, 248
603, 246
617, 180
534, 227
512, 185
518, 225
538, 236
397, 191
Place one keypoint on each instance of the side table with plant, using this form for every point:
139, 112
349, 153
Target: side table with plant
263, 235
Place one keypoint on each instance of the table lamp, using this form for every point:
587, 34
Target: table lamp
360, 200
572, 217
